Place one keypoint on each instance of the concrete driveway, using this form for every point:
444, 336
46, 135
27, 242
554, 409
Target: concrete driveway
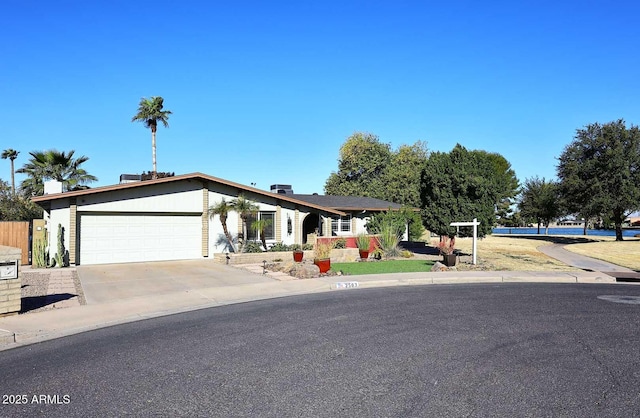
107, 282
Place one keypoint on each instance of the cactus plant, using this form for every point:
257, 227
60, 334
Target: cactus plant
58, 259
39, 253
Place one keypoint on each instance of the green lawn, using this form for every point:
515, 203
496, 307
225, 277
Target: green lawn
388, 266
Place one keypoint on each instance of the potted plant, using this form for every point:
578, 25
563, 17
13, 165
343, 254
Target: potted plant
322, 255
363, 242
298, 253
446, 246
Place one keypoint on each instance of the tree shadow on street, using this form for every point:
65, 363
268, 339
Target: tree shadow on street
554, 239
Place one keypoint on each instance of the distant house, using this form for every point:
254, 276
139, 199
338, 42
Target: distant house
570, 222
358, 211
167, 218
632, 221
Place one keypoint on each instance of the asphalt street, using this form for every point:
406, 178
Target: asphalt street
459, 350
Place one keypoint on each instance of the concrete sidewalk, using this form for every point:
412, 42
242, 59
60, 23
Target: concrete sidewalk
30, 328
558, 252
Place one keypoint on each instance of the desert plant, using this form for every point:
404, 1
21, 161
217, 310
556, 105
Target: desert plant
39, 253
222, 209
150, 112
388, 241
446, 245
260, 226
60, 258
323, 249
363, 241
245, 209
406, 254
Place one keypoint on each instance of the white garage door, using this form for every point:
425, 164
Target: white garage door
131, 238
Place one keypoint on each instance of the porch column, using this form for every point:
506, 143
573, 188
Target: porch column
297, 228
277, 223
205, 221
73, 228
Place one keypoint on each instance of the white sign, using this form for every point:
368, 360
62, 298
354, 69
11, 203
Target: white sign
475, 224
8, 270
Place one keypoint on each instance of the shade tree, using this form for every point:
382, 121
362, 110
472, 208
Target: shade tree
462, 185
599, 172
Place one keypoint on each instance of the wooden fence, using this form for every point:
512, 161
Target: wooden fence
16, 234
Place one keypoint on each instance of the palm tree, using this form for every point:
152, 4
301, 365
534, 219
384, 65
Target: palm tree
150, 112
245, 208
260, 226
54, 165
222, 209
12, 155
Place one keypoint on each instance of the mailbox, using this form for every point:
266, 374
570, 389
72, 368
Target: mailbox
10, 282
8, 270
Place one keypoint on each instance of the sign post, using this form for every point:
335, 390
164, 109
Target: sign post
475, 224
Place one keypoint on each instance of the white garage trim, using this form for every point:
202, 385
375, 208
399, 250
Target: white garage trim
136, 237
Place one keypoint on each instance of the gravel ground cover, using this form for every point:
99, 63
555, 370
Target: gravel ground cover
35, 287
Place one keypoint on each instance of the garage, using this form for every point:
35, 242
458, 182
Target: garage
134, 237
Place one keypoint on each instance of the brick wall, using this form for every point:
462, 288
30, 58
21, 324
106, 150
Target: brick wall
10, 290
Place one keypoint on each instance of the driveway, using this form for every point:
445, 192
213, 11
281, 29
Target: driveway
107, 282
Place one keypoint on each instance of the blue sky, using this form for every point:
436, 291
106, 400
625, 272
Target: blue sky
267, 91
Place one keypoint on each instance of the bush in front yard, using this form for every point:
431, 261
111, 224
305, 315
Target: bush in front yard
252, 247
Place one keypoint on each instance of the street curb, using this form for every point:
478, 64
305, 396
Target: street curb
355, 284
7, 337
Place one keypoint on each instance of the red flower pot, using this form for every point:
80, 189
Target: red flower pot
324, 265
364, 254
297, 256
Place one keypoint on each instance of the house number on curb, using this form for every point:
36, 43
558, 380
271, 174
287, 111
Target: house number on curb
631, 300
347, 285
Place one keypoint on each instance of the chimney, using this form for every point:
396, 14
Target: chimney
281, 189
52, 187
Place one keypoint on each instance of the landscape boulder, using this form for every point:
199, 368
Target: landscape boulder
302, 270
438, 266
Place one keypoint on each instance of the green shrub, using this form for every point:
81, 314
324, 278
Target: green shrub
252, 247
340, 243
280, 246
388, 241
406, 254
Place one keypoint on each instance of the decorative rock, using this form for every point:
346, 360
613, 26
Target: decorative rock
303, 270
438, 266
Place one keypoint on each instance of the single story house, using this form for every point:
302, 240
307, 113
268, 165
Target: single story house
168, 219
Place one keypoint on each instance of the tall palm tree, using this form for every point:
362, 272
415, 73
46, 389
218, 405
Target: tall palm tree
150, 112
12, 155
245, 208
222, 209
54, 165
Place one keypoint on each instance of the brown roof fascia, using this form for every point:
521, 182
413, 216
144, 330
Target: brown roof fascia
360, 209
191, 176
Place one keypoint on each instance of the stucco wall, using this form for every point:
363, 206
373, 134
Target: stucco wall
59, 215
183, 196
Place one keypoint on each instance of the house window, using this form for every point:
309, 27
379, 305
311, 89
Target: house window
341, 224
269, 230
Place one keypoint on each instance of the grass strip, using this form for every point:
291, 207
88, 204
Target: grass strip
381, 267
